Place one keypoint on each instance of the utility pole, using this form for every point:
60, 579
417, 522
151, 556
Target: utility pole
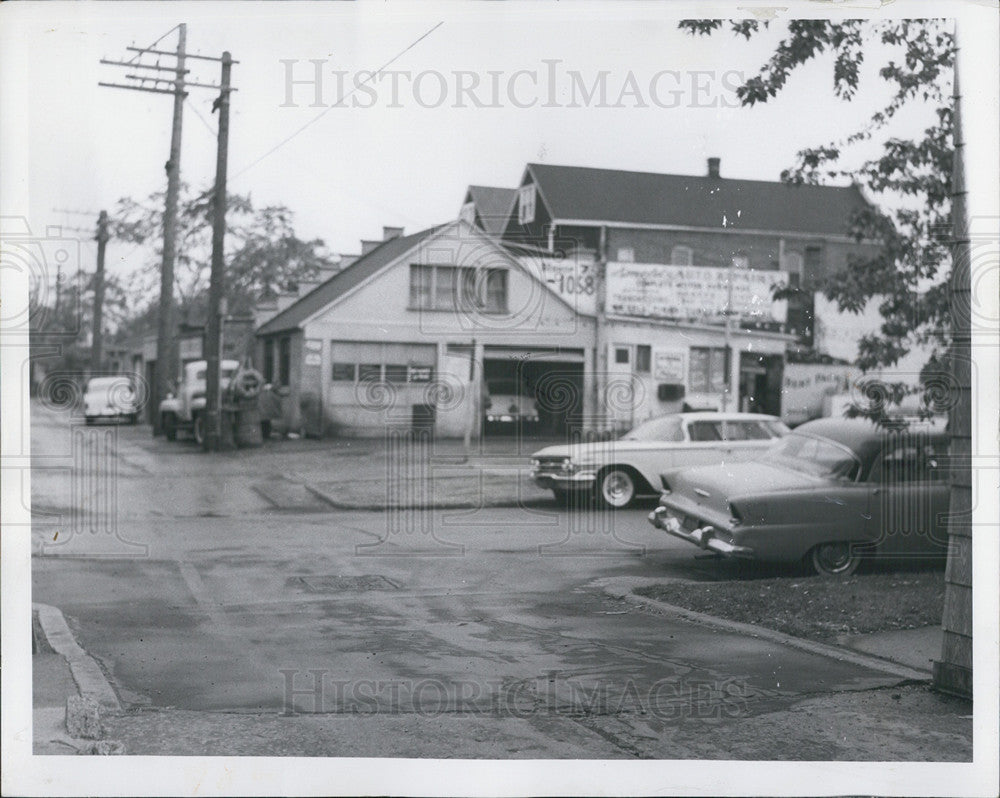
165, 366
216, 289
727, 360
97, 355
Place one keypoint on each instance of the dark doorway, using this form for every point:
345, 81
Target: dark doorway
760, 383
547, 395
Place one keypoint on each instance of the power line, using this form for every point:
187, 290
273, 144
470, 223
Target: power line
321, 114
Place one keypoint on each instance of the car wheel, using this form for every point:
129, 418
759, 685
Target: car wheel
199, 429
838, 558
170, 426
616, 488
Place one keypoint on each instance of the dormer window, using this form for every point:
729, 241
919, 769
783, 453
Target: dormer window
468, 213
526, 204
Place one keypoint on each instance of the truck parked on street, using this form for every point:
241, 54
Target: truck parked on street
184, 408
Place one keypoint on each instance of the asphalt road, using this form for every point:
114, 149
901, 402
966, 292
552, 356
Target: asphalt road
196, 592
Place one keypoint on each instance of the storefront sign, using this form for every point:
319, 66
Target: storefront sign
574, 279
420, 373
313, 359
189, 349
697, 293
668, 366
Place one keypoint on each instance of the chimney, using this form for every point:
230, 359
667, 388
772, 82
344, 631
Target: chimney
368, 245
713, 166
388, 233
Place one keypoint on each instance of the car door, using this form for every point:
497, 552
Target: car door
909, 497
746, 438
706, 444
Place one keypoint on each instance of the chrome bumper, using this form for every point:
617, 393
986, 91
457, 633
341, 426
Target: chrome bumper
577, 481
703, 537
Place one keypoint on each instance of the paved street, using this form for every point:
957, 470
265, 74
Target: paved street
237, 611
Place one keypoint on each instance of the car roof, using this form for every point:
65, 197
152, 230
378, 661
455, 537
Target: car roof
95, 382
713, 415
861, 435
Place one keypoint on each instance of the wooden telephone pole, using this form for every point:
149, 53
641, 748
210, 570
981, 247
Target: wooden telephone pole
165, 366
96, 352
216, 287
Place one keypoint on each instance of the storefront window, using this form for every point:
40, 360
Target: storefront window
396, 373
707, 370
343, 372
370, 372
643, 358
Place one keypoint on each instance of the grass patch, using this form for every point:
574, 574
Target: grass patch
814, 607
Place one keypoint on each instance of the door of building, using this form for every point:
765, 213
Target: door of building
760, 383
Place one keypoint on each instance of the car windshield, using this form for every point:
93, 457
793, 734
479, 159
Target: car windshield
817, 456
665, 428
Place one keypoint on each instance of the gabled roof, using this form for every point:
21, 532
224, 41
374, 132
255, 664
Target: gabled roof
493, 206
615, 197
342, 282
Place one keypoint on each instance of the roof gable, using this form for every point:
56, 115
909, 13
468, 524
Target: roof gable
645, 198
343, 281
493, 206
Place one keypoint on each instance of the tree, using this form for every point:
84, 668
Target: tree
263, 255
912, 176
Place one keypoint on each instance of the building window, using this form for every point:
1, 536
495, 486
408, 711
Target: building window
741, 262
443, 287
269, 361
284, 362
370, 372
707, 369
526, 204
792, 263
814, 260
421, 278
643, 358
396, 373
626, 255
682, 256
621, 354
343, 372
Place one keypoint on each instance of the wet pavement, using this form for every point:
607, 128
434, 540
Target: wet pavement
236, 611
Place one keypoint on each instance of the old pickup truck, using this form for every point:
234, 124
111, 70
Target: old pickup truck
184, 409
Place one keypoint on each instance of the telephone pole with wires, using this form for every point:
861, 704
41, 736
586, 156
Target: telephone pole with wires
97, 341
175, 86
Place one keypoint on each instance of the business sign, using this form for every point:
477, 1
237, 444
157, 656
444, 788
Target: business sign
695, 293
573, 278
420, 373
668, 366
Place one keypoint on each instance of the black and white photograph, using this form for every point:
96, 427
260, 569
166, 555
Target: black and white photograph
500, 399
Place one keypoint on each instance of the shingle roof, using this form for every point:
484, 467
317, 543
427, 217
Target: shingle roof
493, 204
342, 282
613, 196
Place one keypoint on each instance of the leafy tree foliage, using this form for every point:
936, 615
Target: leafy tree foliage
263, 254
912, 176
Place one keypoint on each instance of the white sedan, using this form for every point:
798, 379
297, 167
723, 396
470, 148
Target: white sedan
110, 398
618, 471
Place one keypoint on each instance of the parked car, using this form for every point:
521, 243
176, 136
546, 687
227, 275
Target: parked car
828, 494
506, 402
110, 399
617, 472
184, 409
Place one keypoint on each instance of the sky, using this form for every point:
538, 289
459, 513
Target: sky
404, 158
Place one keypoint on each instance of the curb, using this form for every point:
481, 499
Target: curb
90, 679
614, 588
339, 504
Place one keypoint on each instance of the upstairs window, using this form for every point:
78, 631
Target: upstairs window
526, 204
682, 256
452, 288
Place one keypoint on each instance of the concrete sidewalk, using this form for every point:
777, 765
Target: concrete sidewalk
915, 648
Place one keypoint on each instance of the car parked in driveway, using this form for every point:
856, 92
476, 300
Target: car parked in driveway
830, 493
616, 472
110, 399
